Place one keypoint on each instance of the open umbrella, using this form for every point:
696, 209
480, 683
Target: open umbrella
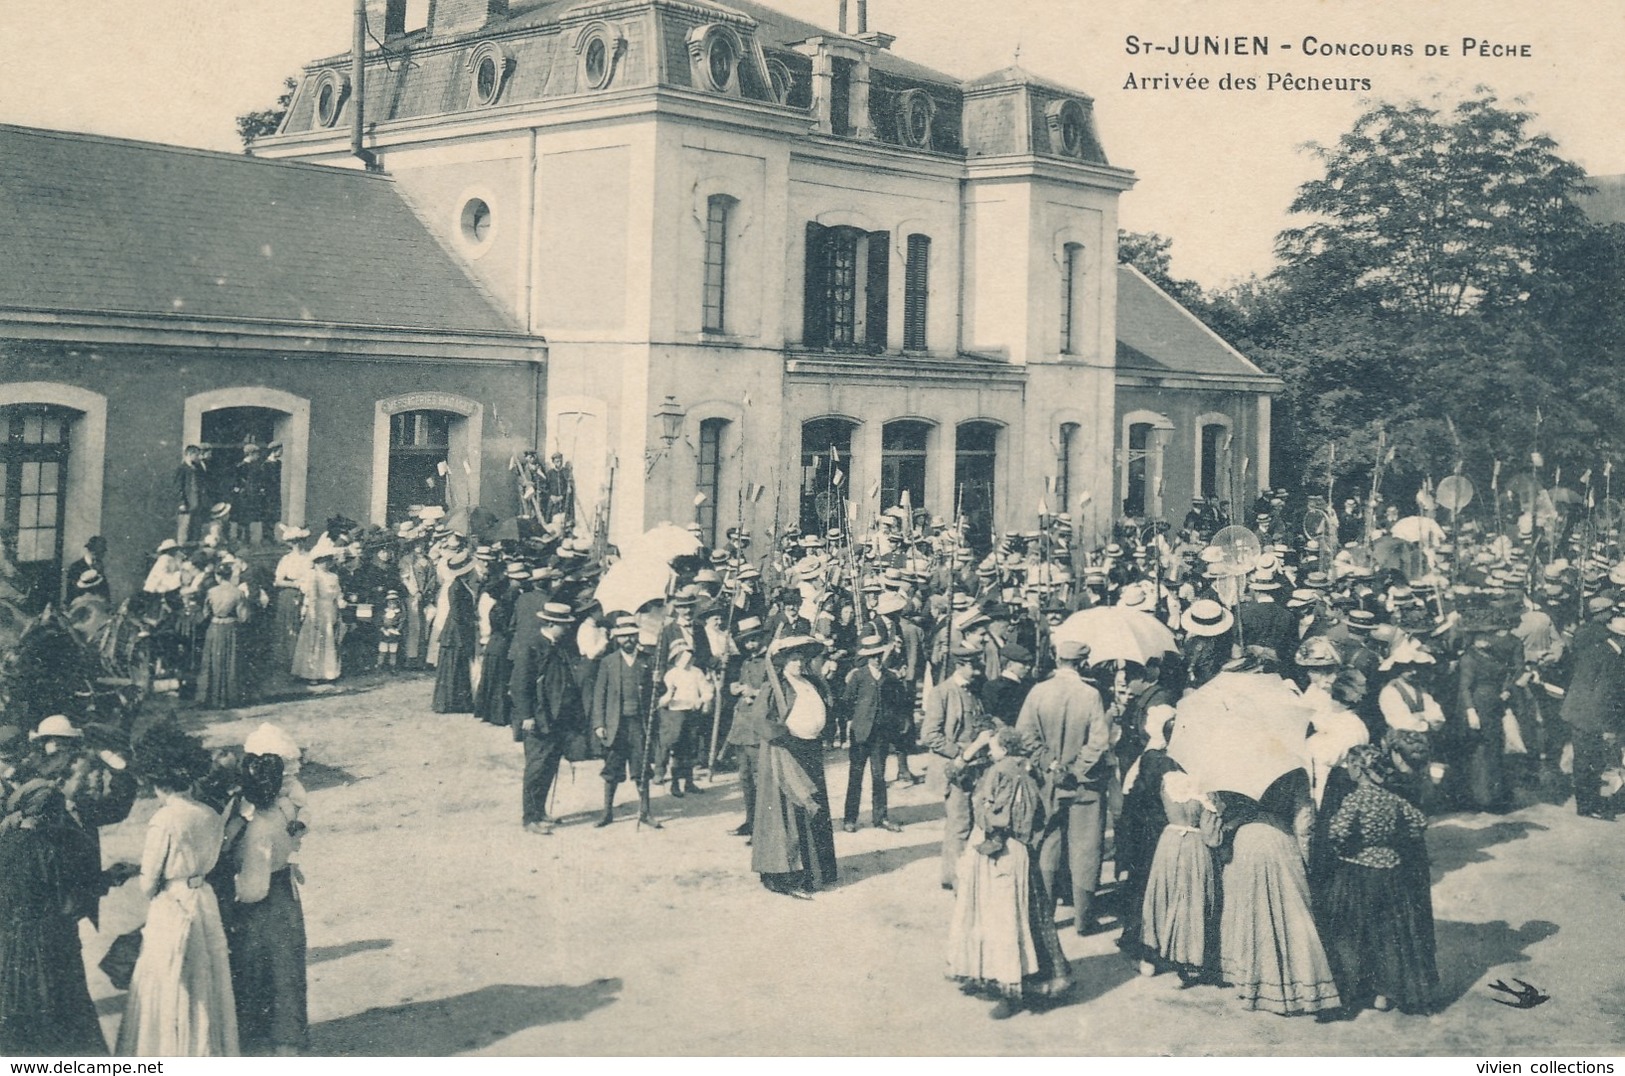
1240, 731
1419, 529
1115, 634
643, 574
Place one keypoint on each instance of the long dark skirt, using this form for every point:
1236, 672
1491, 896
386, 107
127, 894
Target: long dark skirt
1381, 936
219, 680
790, 846
285, 631
268, 969
45, 1005
453, 683
491, 700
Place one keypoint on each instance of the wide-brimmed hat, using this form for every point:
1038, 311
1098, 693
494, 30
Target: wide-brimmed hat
1207, 618
220, 511
1137, 596
57, 726
749, 627
788, 646
1317, 652
271, 739
871, 645
89, 578
556, 613
1409, 652
167, 544
1302, 597
460, 561
1616, 624
890, 602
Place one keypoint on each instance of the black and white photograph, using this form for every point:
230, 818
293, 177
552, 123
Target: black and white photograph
812, 528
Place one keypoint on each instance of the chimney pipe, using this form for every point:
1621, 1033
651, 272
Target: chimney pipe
841, 23
358, 88
863, 16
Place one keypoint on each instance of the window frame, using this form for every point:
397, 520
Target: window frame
847, 300
1071, 280
719, 215
917, 293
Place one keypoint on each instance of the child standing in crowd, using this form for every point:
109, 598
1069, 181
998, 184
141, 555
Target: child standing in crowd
391, 627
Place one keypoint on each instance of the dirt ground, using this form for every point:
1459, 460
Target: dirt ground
437, 926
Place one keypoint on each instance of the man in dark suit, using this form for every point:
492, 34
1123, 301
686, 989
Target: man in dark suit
547, 707
621, 697
1594, 709
1265, 621
878, 703
1003, 695
750, 728
193, 495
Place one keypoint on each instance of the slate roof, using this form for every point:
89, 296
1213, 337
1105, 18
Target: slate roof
1157, 336
104, 225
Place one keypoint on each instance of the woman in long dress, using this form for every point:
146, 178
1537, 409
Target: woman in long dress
459, 633
1379, 901
793, 842
1268, 946
267, 931
491, 698
220, 681
1002, 939
180, 1002
50, 877
289, 584
316, 656
1178, 917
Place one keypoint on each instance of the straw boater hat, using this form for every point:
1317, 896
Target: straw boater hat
460, 561
626, 627
749, 628
890, 602
167, 544
1410, 652
220, 511
58, 727
557, 613
1361, 620
1207, 618
1136, 596
1318, 652
789, 646
89, 578
1617, 625
870, 646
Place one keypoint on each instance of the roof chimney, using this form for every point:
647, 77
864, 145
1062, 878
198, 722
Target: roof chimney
386, 19
447, 17
358, 87
863, 17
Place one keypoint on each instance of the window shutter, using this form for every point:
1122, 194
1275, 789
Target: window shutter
916, 287
815, 307
878, 290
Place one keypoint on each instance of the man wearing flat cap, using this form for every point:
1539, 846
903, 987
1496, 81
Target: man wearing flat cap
949, 728
1063, 723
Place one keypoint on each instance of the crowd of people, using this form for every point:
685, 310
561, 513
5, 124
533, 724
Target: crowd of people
1413, 675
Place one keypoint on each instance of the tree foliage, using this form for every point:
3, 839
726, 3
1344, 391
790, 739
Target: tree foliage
1446, 301
251, 126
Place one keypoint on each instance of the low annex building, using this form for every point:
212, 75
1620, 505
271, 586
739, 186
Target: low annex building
154, 297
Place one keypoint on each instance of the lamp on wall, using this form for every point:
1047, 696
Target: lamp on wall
670, 416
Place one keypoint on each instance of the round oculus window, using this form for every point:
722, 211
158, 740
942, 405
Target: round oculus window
1072, 131
476, 221
719, 61
487, 79
917, 120
327, 103
597, 62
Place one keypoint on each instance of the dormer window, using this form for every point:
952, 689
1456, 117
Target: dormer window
598, 47
840, 96
1069, 131
780, 79
915, 114
331, 90
488, 68
714, 53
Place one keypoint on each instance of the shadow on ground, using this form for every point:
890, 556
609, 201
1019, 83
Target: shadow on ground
864, 865
456, 1025
317, 776
1453, 847
1466, 951
323, 953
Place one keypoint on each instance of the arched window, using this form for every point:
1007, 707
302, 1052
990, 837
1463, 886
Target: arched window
719, 211
709, 479
1065, 444
826, 467
223, 419
1071, 299
902, 463
976, 455
34, 450
1139, 468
